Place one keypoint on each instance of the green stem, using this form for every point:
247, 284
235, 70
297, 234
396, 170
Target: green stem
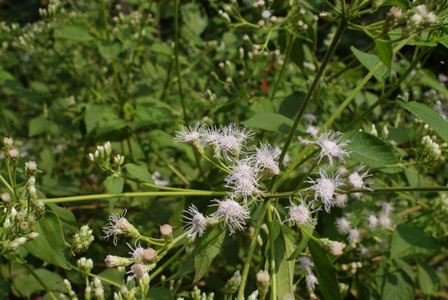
168, 262
252, 246
335, 115
176, 49
8, 186
130, 195
309, 96
272, 266
40, 281
287, 55
389, 92
99, 277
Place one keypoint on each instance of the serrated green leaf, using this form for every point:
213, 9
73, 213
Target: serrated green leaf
72, 33
371, 151
206, 248
411, 241
397, 286
139, 172
427, 115
427, 278
417, 41
325, 272
369, 61
384, 50
271, 122
50, 244
29, 285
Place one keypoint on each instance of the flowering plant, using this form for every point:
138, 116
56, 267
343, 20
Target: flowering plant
240, 150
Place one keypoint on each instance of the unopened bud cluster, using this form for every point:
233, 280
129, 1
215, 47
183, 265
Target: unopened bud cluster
19, 205
430, 152
82, 240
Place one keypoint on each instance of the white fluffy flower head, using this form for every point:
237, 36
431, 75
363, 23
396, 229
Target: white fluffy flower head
195, 223
343, 225
331, 146
356, 179
326, 188
265, 158
189, 134
301, 214
232, 213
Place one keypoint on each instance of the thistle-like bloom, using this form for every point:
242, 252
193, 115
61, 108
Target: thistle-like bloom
306, 263
243, 179
195, 223
354, 235
301, 214
331, 146
232, 140
232, 213
356, 180
343, 225
372, 221
138, 271
265, 158
118, 224
190, 135
326, 188
211, 135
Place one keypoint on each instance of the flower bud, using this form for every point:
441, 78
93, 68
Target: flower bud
113, 261
83, 239
263, 282
234, 282
5, 197
335, 248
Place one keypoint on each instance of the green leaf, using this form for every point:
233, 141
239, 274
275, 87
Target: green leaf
410, 241
5, 288
427, 115
397, 286
139, 172
113, 184
417, 41
371, 151
405, 267
370, 61
109, 50
270, 122
384, 51
290, 106
304, 238
159, 293
444, 40
110, 122
72, 33
161, 48
67, 218
151, 111
29, 285
50, 244
194, 18
206, 248
427, 278
316, 6
401, 3
284, 245
325, 272
40, 125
